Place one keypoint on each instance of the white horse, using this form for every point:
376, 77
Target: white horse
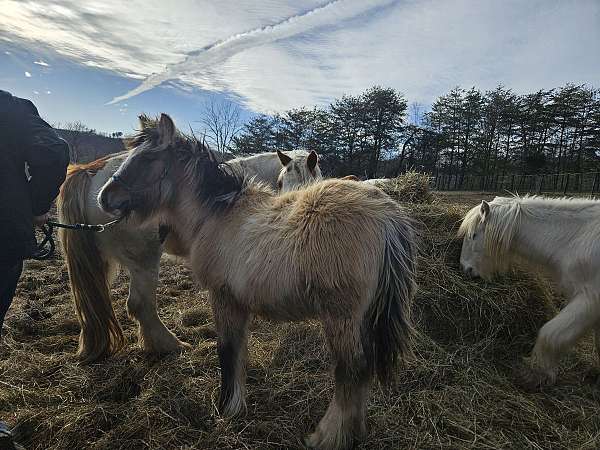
297, 172
556, 237
93, 259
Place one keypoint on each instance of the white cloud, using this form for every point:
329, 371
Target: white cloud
327, 15
420, 47
36, 92
27, 74
42, 63
48, 92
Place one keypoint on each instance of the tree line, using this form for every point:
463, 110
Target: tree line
465, 132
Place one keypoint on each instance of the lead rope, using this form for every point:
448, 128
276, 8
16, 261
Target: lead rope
45, 249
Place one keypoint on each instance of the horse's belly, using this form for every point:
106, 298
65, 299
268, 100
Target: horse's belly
280, 312
273, 300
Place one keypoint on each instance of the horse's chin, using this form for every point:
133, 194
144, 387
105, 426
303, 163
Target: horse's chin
145, 217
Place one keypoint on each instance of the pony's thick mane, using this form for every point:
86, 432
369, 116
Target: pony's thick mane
501, 225
216, 184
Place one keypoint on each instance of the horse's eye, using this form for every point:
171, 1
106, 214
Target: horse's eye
474, 236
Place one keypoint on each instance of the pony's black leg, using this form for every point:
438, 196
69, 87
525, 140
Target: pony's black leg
345, 418
232, 328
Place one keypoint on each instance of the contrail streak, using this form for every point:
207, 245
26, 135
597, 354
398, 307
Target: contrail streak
332, 12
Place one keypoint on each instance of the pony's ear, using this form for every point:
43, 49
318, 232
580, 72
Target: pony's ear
312, 160
285, 159
166, 130
484, 210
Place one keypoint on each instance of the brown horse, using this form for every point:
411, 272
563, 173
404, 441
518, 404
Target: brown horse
336, 251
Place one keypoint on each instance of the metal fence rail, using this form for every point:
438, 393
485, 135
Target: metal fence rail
549, 183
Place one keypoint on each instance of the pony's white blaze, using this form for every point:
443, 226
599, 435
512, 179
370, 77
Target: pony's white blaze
559, 238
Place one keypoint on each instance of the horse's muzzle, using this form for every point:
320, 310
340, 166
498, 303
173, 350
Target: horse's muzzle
114, 202
468, 271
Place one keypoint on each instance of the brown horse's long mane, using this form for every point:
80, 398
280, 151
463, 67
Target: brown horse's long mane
216, 184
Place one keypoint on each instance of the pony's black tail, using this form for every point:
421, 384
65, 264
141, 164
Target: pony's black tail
387, 328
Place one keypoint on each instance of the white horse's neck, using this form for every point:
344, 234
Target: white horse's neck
543, 233
534, 242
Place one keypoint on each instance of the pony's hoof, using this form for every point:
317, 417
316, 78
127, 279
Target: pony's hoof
311, 441
532, 379
233, 407
318, 442
174, 348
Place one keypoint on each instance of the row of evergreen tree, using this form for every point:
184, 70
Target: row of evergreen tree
465, 132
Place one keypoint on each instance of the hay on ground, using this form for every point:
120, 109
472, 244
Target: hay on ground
457, 393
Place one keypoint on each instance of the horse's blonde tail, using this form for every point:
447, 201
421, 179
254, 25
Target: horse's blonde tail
101, 333
387, 328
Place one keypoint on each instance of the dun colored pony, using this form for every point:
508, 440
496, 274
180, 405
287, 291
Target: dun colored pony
558, 237
93, 259
339, 252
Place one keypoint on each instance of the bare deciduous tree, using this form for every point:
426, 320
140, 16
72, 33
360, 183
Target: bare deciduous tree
221, 121
75, 138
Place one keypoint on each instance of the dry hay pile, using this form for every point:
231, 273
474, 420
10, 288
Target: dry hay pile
410, 187
457, 393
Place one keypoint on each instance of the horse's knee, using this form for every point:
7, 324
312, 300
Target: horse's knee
142, 295
548, 345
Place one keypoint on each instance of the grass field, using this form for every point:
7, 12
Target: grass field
458, 392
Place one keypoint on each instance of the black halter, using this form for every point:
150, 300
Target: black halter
45, 249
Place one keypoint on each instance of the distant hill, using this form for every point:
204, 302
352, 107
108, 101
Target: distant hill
88, 146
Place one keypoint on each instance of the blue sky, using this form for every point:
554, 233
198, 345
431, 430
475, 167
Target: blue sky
72, 58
